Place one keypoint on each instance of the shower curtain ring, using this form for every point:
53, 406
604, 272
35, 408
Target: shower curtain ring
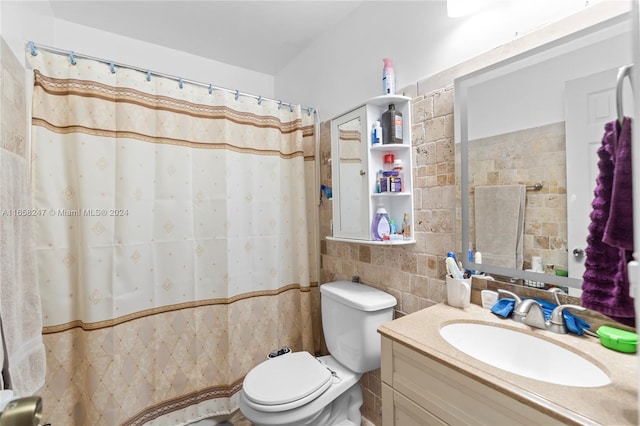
32, 47
290, 107
210, 88
279, 104
237, 94
112, 67
180, 83
71, 58
148, 75
259, 100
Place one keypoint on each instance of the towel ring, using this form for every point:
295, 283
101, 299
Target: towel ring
623, 72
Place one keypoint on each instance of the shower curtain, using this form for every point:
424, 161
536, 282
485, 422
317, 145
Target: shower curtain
177, 242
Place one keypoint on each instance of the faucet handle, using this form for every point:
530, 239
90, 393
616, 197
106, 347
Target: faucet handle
556, 291
530, 312
556, 314
513, 295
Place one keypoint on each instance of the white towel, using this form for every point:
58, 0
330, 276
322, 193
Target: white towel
499, 224
20, 306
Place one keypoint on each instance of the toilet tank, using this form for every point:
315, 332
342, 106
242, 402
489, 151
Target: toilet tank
351, 315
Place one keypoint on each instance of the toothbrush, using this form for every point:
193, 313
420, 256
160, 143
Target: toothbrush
452, 268
446, 263
453, 255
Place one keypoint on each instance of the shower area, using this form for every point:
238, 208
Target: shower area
176, 240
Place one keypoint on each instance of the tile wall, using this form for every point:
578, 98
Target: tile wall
414, 274
529, 156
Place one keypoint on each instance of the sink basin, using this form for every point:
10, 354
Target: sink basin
523, 354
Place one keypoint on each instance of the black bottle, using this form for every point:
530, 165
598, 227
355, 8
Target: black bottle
392, 126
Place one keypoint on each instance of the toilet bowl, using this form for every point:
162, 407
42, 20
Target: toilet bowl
300, 389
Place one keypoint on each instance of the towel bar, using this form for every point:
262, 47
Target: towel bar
622, 73
535, 187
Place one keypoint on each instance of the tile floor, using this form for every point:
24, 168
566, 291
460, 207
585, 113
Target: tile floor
237, 419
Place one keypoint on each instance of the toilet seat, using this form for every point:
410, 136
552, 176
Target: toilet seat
285, 382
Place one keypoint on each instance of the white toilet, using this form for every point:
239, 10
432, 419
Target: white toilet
299, 389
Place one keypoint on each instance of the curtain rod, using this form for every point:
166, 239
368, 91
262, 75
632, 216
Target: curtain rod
33, 48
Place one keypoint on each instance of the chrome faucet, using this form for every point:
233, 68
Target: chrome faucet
556, 323
513, 295
530, 312
556, 291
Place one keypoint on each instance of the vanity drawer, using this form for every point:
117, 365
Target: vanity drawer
402, 411
447, 395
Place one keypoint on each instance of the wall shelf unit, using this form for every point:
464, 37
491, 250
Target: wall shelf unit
356, 163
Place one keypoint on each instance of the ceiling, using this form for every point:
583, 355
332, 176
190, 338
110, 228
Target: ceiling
262, 36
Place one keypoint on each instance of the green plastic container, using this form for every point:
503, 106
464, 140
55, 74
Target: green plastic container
618, 340
562, 273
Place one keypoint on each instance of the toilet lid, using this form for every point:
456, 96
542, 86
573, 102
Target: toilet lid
285, 379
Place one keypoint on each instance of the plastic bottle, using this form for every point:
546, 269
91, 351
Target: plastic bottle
388, 78
392, 125
376, 133
392, 226
477, 259
381, 225
387, 162
471, 259
397, 166
406, 227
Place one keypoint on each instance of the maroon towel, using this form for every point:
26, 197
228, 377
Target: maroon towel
610, 242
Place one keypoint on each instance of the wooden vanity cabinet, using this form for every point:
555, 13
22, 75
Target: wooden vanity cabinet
417, 390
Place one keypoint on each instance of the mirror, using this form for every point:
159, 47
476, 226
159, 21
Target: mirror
524, 122
349, 155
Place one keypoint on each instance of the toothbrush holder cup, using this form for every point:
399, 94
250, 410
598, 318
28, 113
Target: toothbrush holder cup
458, 292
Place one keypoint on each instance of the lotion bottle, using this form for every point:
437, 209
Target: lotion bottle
381, 225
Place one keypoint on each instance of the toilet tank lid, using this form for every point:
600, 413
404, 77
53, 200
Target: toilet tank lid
358, 296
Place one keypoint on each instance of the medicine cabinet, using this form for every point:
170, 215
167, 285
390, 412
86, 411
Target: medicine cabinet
356, 163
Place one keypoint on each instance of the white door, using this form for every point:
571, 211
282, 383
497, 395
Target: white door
590, 103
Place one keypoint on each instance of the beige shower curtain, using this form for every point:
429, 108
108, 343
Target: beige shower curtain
178, 246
